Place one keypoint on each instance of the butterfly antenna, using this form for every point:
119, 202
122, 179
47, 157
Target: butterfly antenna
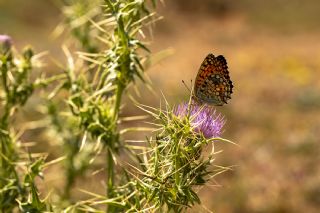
184, 83
191, 93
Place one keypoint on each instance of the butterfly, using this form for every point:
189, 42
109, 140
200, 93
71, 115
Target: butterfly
213, 84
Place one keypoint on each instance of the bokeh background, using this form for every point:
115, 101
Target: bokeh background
273, 52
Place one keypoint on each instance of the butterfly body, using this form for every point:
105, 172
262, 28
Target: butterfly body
213, 84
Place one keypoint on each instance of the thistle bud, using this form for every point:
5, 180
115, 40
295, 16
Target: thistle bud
5, 44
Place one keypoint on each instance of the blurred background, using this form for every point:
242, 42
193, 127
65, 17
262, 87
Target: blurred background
273, 52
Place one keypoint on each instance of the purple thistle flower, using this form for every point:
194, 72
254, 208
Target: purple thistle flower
5, 42
204, 118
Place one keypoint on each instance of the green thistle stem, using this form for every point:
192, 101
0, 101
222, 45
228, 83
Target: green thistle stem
120, 90
110, 161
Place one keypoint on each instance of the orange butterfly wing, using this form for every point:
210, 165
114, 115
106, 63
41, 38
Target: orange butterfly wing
213, 84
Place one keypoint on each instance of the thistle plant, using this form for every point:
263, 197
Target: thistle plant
18, 169
172, 164
83, 109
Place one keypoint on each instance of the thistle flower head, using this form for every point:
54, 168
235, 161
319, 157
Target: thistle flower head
5, 43
204, 118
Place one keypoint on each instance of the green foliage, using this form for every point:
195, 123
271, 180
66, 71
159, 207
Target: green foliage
17, 86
